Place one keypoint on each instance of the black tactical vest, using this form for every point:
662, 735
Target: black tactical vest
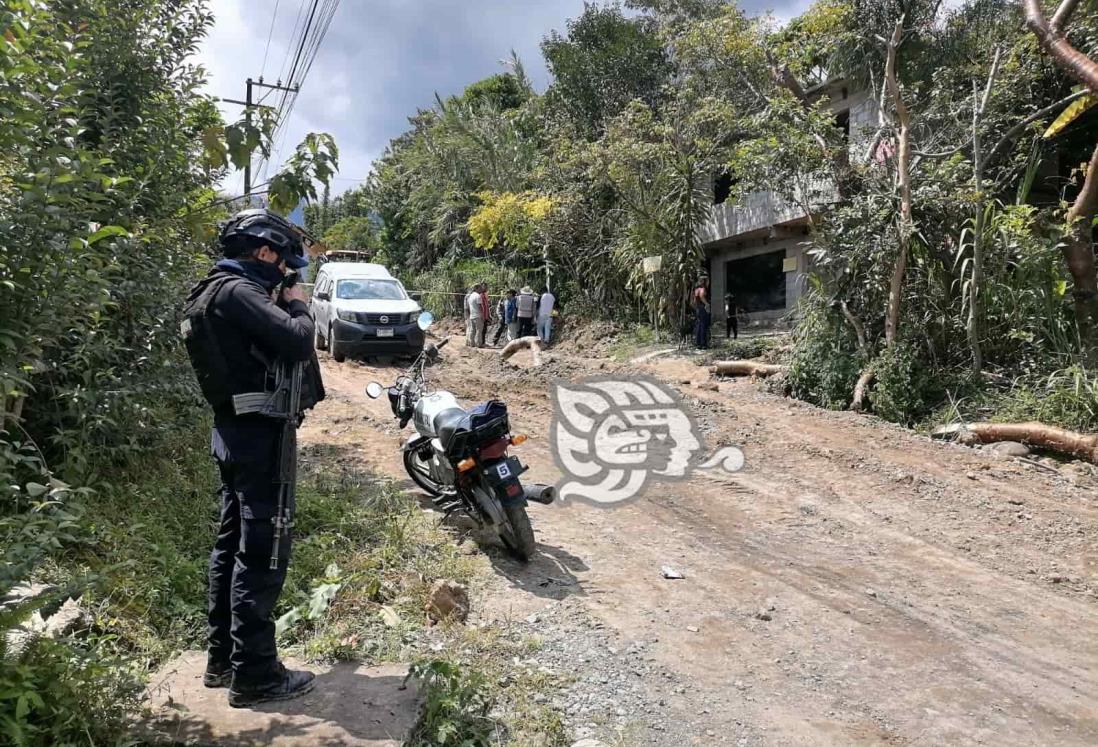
209, 362
219, 380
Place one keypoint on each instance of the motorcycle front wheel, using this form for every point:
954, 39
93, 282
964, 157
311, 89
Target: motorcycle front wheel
420, 472
517, 534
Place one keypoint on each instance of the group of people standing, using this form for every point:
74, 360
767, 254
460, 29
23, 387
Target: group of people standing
703, 314
520, 313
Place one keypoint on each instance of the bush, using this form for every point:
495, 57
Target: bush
749, 347
1067, 398
445, 287
825, 362
55, 694
906, 386
455, 706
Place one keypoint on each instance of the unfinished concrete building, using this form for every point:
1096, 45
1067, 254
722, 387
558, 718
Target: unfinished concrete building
757, 246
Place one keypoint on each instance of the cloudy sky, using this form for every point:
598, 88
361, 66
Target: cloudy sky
381, 60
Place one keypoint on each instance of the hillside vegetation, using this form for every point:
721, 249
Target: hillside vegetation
954, 278
952, 273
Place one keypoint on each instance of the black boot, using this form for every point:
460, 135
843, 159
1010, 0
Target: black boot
288, 685
217, 674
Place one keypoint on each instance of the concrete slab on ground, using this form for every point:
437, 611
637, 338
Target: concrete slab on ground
352, 705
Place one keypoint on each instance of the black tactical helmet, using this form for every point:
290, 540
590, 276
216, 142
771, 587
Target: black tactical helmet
268, 227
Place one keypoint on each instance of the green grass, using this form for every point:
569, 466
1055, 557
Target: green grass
1067, 398
479, 690
629, 344
364, 558
383, 551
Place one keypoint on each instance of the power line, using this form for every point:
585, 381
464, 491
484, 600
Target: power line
293, 39
304, 38
308, 48
284, 108
267, 48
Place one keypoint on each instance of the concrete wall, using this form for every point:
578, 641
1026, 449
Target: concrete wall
760, 210
794, 281
756, 211
727, 235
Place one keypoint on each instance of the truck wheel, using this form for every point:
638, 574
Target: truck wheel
335, 348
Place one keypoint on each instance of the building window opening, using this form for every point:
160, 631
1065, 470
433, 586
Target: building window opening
722, 188
758, 283
842, 122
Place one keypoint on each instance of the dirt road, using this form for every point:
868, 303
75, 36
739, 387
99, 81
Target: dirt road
854, 584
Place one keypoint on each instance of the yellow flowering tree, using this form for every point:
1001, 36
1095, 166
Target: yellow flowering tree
509, 219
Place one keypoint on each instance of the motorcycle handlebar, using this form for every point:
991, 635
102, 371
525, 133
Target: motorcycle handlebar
442, 343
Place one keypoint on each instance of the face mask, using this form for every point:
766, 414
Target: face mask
267, 274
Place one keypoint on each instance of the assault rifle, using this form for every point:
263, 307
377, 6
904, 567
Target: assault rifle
284, 403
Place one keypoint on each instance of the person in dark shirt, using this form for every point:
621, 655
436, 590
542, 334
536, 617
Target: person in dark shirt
252, 325
702, 313
505, 310
731, 317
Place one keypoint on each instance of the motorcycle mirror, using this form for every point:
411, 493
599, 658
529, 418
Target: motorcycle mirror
426, 319
373, 390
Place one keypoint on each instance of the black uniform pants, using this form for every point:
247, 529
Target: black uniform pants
732, 327
526, 326
243, 588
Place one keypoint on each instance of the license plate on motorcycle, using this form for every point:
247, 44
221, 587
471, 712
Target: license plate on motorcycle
504, 472
385, 333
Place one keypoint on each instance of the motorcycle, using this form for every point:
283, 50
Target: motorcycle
459, 456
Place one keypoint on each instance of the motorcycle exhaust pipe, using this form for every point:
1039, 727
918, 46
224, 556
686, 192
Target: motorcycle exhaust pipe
540, 493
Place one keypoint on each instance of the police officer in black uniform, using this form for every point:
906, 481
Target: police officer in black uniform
240, 323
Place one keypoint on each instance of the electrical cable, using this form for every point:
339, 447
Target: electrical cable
267, 48
308, 49
283, 109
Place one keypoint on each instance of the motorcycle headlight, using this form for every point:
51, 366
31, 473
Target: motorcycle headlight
347, 316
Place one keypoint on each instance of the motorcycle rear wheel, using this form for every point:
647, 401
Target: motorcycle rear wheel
518, 534
418, 471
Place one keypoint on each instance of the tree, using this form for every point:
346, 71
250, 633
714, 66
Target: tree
603, 62
109, 160
1078, 246
660, 166
352, 234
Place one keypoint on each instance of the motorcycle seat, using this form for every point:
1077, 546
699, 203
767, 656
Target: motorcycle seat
449, 422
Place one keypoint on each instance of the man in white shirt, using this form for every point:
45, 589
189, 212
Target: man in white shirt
478, 317
545, 315
472, 313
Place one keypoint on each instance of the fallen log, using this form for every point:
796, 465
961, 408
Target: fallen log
1060, 440
746, 368
532, 344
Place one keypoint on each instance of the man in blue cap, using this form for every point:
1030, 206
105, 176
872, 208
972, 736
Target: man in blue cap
244, 323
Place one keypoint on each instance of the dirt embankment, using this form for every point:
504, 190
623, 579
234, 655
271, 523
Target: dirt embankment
854, 584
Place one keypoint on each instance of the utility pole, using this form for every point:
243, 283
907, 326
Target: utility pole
248, 106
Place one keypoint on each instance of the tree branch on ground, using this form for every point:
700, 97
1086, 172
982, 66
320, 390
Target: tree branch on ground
1060, 440
533, 344
746, 368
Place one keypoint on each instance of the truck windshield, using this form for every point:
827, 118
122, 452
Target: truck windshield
362, 289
